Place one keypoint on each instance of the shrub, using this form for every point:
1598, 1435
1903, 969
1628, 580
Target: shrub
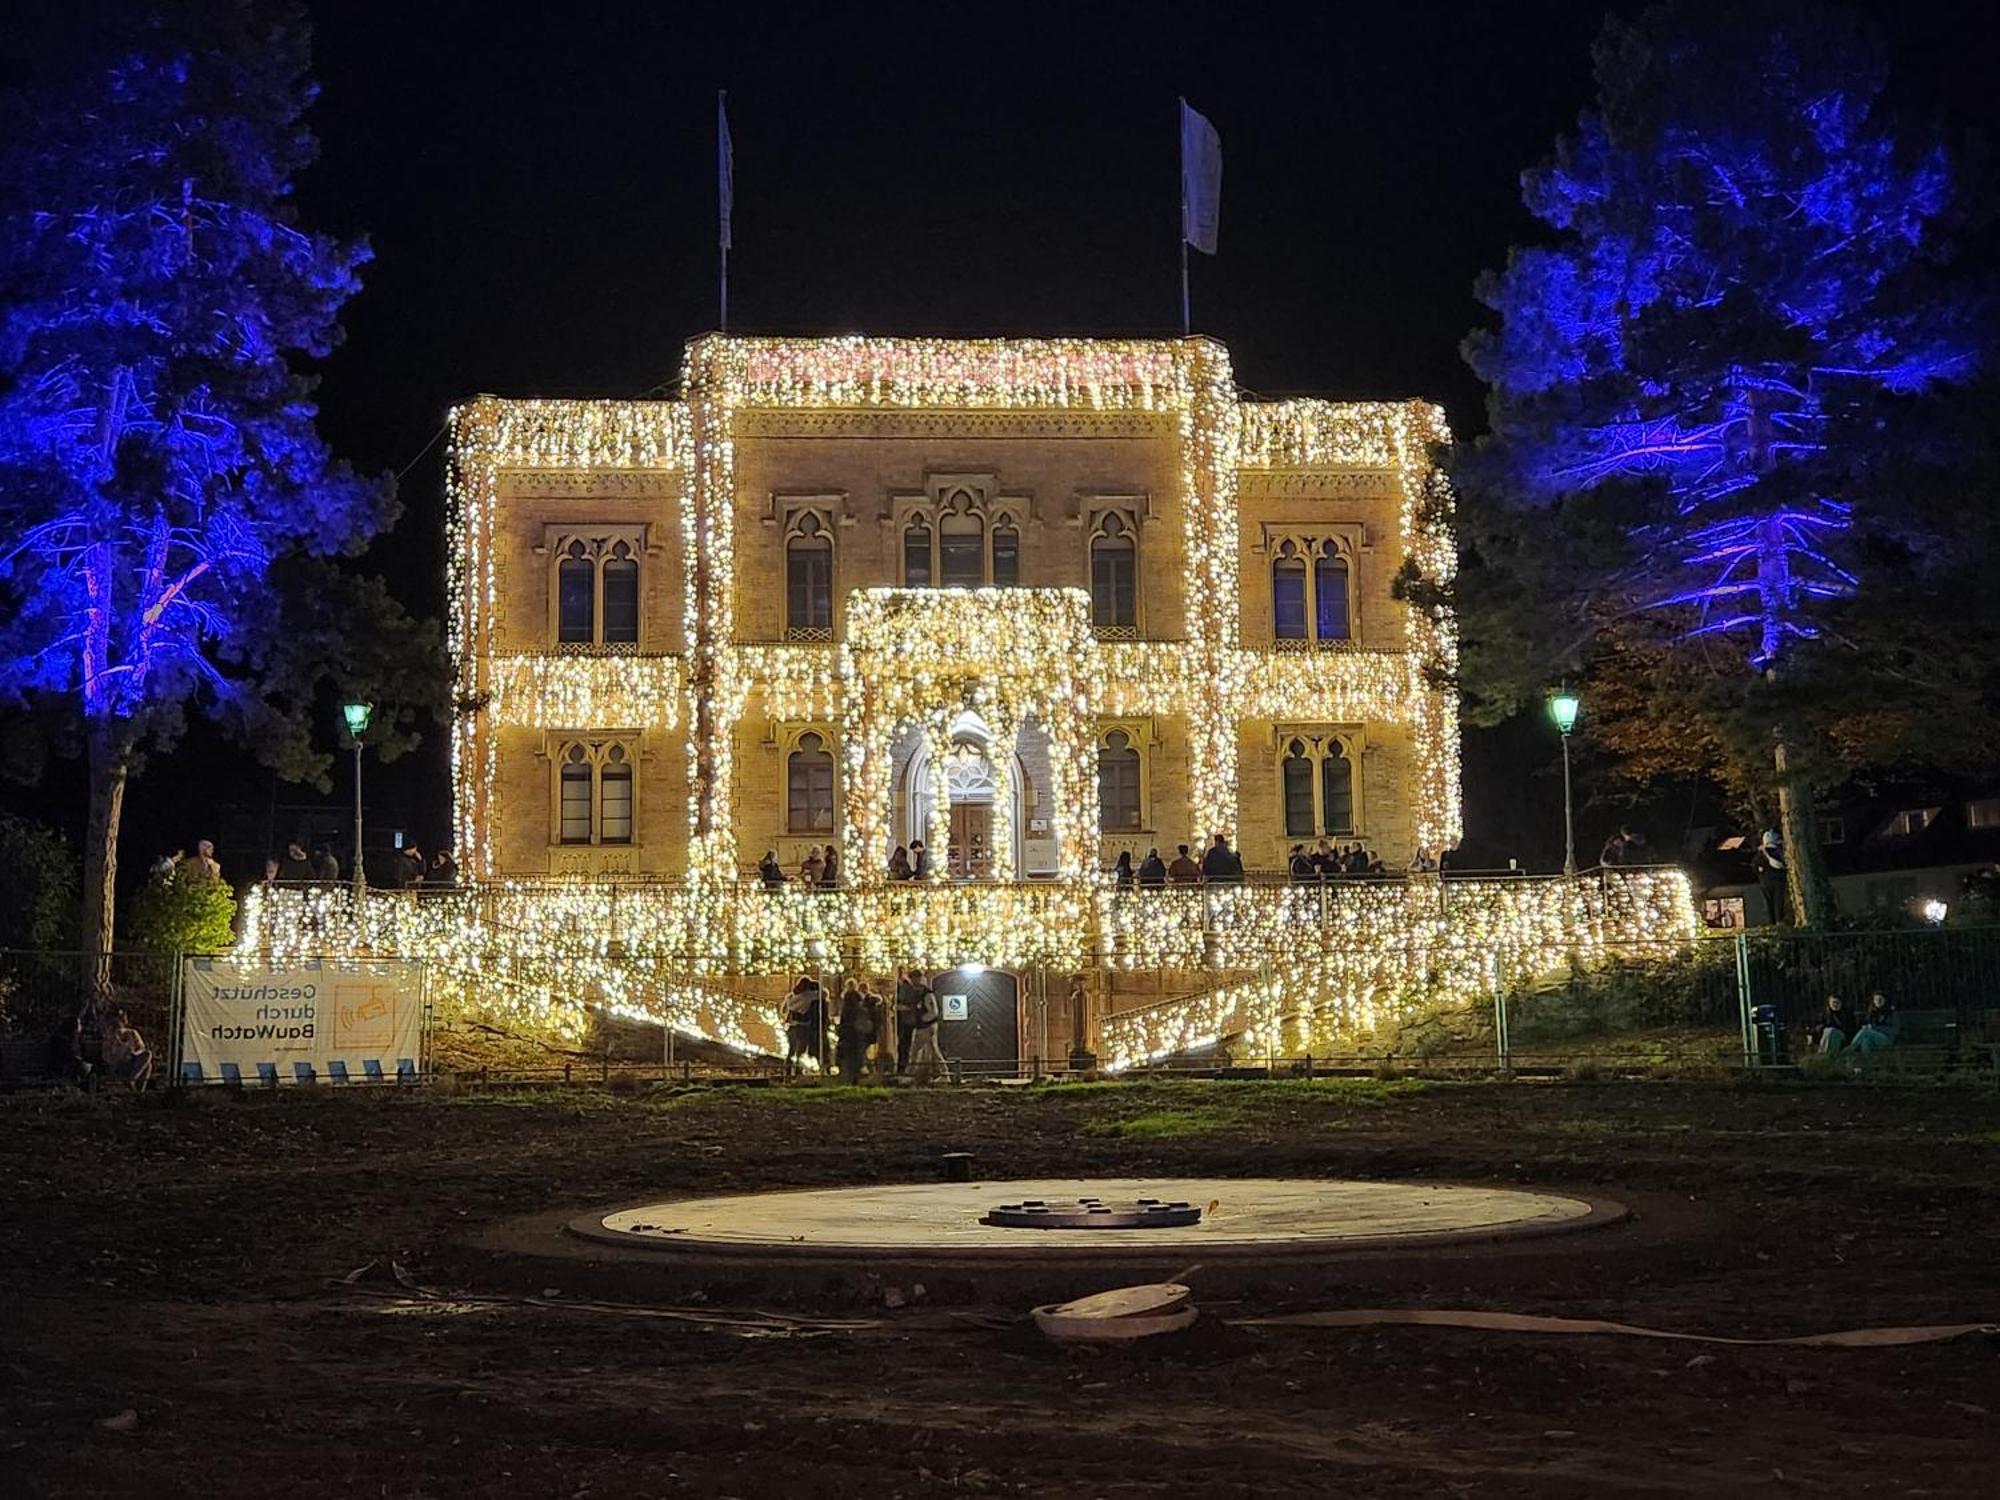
171, 917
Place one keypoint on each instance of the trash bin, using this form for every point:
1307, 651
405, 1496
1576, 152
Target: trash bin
1770, 1036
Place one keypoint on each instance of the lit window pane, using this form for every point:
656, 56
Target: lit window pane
621, 601
1288, 599
616, 784
1006, 557
809, 585
917, 557
1298, 796
575, 606
1337, 793
576, 804
1330, 589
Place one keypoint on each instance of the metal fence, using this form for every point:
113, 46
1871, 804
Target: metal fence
45, 993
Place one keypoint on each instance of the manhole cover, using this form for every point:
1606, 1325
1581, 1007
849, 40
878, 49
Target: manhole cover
1092, 1213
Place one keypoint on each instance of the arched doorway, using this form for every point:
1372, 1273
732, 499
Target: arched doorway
980, 1025
970, 787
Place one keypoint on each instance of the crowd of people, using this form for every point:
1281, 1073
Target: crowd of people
410, 870
865, 1032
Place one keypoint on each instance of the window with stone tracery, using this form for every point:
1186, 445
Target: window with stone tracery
809, 784
1114, 577
594, 791
958, 538
1120, 796
1312, 588
809, 579
596, 586
1316, 784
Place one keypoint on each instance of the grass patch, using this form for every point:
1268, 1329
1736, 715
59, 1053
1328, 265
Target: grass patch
1163, 1125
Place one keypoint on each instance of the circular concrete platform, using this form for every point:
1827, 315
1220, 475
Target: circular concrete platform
1245, 1216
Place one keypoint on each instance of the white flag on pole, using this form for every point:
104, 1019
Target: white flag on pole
1201, 180
725, 166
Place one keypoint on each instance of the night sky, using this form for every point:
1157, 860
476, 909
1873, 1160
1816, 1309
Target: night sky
538, 183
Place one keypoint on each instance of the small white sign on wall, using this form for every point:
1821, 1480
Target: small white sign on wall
955, 1007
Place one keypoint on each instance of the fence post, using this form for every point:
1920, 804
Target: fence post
1743, 1001
1502, 1045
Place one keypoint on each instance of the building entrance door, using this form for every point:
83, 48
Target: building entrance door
969, 855
981, 1019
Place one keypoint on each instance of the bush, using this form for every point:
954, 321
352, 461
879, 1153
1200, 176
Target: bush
38, 897
171, 917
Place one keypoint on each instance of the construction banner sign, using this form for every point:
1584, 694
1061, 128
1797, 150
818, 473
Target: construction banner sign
305, 1021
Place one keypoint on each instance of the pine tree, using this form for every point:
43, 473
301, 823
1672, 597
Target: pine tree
1708, 390
159, 465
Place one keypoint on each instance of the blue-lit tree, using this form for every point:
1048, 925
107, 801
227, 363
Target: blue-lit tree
1703, 380
159, 467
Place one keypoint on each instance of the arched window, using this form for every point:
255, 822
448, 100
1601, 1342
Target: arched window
576, 596
1113, 576
1336, 797
1330, 596
809, 578
1006, 555
621, 596
614, 798
961, 549
576, 778
809, 786
1118, 782
917, 555
1288, 594
1299, 821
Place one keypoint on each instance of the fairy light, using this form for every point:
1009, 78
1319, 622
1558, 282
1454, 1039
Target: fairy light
1020, 661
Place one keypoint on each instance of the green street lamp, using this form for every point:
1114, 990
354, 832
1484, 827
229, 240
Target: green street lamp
1563, 708
357, 716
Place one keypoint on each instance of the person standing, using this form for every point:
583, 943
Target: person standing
443, 870
906, 1016
810, 868
1183, 871
1221, 865
1121, 873
801, 1041
928, 1060
829, 870
857, 1030
920, 868
1152, 869
1770, 864
203, 868
1303, 869
325, 867
126, 1055
899, 864
295, 868
770, 871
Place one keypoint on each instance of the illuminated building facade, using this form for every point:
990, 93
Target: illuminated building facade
1030, 603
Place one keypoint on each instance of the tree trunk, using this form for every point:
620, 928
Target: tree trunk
1805, 882
110, 760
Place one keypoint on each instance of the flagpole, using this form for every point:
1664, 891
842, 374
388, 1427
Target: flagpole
722, 147
1180, 134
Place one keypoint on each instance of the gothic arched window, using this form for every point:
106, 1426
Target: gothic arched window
1288, 594
1114, 577
809, 578
1006, 554
917, 555
1118, 800
621, 596
961, 549
809, 786
1298, 771
576, 596
1330, 596
576, 796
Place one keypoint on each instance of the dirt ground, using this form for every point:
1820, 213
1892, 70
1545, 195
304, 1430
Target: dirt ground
181, 1261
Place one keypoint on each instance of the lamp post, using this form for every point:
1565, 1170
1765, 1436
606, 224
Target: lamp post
356, 715
1563, 708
